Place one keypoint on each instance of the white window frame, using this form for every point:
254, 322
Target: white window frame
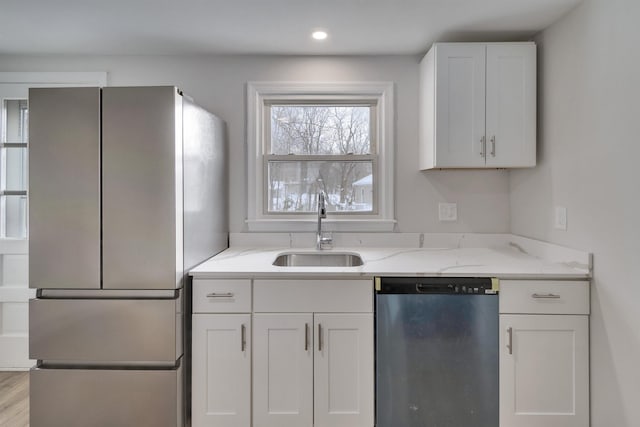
259, 93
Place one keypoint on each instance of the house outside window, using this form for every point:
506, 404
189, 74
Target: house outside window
305, 138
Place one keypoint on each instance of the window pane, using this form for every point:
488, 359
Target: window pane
294, 186
16, 119
320, 129
15, 216
14, 168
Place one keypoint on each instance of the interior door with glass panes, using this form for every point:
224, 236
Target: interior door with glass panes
14, 228
14, 287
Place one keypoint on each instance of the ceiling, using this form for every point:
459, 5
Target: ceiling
355, 27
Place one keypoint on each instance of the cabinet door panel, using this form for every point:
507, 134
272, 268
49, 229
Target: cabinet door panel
544, 378
283, 370
511, 105
221, 370
460, 105
343, 370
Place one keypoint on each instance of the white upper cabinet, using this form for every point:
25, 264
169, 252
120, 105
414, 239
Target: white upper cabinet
511, 105
478, 106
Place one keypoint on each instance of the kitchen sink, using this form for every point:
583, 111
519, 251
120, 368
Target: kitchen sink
318, 259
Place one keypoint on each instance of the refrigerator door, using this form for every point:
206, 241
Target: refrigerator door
64, 188
106, 398
90, 332
142, 202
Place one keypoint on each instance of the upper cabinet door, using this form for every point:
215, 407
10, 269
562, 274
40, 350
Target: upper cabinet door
142, 188
511, 105
64, 188
460, 105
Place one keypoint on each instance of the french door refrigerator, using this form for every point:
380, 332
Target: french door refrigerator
127, 192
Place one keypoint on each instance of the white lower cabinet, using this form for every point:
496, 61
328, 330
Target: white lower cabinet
313, 370
221, 370
282, 370
343, 370
544, 358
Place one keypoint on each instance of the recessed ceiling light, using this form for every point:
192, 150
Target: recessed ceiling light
319, 35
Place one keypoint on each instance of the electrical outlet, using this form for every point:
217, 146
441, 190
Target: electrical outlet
448, 211
560, 222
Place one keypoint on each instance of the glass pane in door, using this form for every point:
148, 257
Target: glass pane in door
16, 120
14, 137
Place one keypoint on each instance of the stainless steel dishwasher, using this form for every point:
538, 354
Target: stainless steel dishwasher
436, 352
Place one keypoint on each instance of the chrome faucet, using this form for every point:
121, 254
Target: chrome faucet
321, 241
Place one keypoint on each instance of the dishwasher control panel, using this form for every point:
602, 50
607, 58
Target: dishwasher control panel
437, 285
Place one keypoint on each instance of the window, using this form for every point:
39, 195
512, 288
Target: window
307, 138
314, 147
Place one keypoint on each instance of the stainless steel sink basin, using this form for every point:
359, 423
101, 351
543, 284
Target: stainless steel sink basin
318, 259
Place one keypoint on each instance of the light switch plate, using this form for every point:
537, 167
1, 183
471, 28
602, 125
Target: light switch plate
560, 222
448, 211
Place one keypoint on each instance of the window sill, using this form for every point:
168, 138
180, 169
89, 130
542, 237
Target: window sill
340, 225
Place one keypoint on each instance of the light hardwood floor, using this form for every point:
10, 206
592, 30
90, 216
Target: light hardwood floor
14, 399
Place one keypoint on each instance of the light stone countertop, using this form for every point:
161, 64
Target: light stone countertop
505, 257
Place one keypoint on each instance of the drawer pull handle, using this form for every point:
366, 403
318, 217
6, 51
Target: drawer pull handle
319, 337
545, 296
220, 295
510, 340
243, 338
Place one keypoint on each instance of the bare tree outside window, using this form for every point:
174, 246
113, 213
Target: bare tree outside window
320, 147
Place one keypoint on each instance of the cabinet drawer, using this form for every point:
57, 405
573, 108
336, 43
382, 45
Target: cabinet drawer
301, 296
222, 296
544, 297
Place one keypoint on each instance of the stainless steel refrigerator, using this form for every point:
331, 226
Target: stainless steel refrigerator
127, 192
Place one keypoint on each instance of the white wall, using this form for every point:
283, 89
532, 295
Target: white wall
589, 145
218, 83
